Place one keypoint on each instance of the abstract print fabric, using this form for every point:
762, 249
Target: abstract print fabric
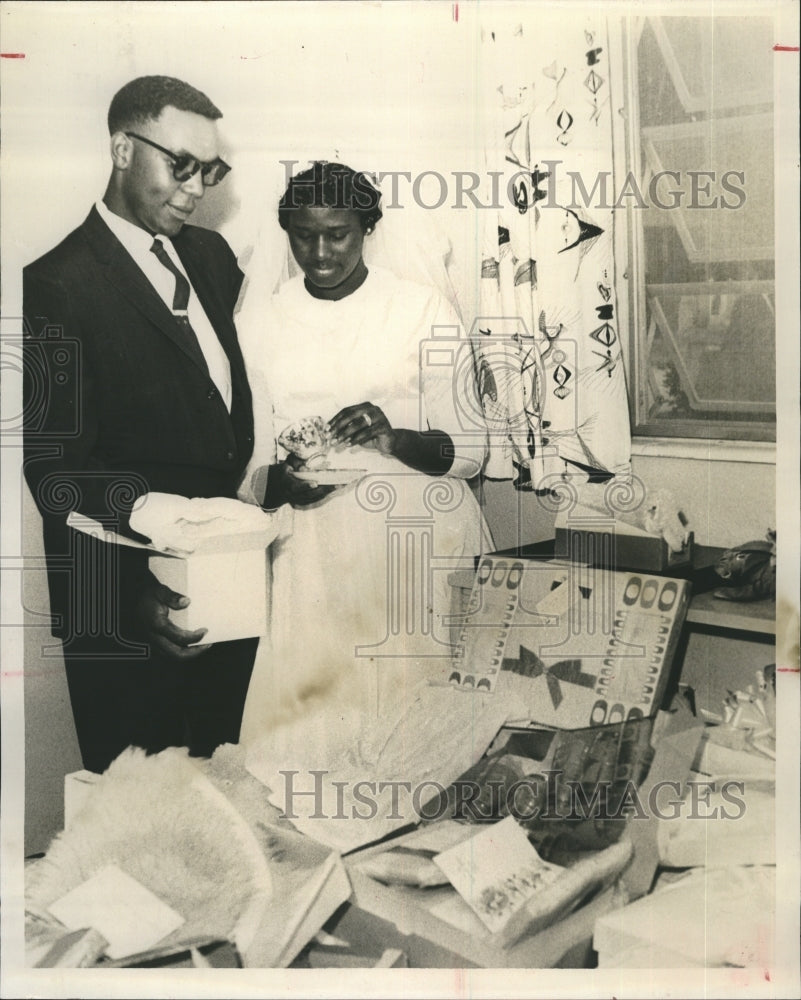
551, 374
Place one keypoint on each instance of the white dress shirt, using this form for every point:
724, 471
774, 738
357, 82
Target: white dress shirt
138, 243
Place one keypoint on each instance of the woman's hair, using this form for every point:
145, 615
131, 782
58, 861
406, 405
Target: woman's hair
331, 185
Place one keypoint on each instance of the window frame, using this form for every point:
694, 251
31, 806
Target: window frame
719, 437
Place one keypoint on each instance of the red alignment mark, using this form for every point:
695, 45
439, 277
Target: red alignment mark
788, 670
456, 12
12, 55
785, 48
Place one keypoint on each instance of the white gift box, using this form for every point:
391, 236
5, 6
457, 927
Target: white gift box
229, 589
78, 786
226, 577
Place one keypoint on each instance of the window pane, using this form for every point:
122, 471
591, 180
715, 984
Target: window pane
712, 355
706, 356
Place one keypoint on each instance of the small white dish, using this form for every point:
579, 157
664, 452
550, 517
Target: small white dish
329, 477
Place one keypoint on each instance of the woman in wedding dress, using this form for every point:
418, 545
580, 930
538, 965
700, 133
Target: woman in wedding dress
360, 594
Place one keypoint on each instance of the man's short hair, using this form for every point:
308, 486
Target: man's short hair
144, 98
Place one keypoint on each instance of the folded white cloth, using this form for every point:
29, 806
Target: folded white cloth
180, 524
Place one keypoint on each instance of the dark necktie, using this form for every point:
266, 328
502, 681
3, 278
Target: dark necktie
180, 302
180, 299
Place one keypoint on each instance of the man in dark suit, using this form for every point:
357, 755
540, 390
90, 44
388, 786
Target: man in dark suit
134, 383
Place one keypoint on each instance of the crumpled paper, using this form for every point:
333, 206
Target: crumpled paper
395, 766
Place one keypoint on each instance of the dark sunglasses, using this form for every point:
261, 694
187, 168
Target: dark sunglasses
184, 165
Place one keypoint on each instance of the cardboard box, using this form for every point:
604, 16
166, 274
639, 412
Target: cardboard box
202, 953
78, 786
227, 579
577, 645
708, 918
381, 916
229, 588
570, 790
621, 550
586, 535
436, 929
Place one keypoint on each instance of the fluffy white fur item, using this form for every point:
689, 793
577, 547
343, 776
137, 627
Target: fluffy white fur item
162, 821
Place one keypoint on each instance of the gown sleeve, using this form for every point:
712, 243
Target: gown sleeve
255, 322
447, 371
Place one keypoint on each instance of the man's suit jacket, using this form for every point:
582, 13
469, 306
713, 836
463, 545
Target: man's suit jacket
118, 400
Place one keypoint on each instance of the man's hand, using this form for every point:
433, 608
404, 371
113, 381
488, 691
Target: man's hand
154, 609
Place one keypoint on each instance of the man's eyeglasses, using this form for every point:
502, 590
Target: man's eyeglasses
184, 165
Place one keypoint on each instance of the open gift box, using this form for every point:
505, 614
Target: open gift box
588, 652
226, 576
411, 920
436, 928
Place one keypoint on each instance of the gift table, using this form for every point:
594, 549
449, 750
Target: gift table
368, 923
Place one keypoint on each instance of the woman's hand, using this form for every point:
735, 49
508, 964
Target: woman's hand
364, 424
283, 486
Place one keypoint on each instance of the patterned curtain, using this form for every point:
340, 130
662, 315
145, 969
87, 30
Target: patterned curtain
551, 375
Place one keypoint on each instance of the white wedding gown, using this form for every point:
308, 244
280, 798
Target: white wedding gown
360, 593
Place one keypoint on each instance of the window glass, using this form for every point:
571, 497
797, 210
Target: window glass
704, 363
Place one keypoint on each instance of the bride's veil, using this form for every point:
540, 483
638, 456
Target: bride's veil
408, 240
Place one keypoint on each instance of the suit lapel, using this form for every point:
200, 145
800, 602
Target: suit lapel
126, 276
216, 311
